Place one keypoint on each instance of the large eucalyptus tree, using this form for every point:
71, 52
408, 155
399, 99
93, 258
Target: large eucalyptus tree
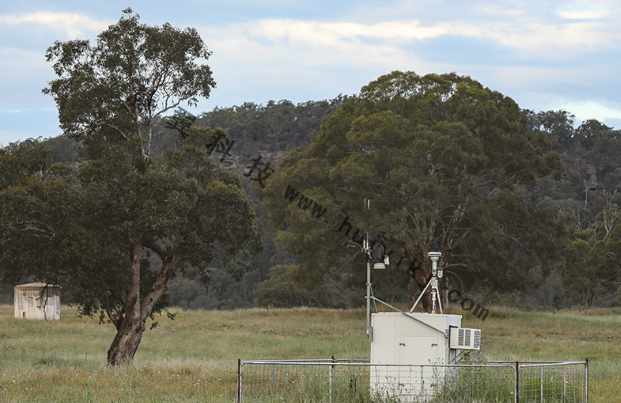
101, 229
442, 159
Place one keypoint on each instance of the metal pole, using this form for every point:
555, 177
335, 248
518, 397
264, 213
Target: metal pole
439, 301
586, 380
365, 247
369, 328
517, 382
420, 296
564, 383
330, 384
541, 382
239, 380
331, 375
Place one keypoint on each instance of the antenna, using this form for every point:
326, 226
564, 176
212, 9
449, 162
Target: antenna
367, 252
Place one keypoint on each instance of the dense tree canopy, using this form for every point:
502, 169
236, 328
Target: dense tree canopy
443, 160
587, 196
119, 228
587, 188
591, 155
592, 262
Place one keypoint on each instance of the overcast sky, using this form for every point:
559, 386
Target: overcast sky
543, 54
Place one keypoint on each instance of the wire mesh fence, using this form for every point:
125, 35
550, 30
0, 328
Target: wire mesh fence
361, 381
557, 382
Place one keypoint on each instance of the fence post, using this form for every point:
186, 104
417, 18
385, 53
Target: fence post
239, 380
517, 382
586, 381
564, 383
541, 383
331, 375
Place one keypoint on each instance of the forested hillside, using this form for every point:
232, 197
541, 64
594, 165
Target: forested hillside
585, 199
270, 130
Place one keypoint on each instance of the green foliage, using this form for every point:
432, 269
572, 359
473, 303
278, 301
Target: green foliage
275, 128
18, 161
593, 263
591, 154
243, 126
38, 218
443, 160
98, 228
6, 294
221, 292
112, 92
63, 149
281, 291
585, 199
277, 125
77, 232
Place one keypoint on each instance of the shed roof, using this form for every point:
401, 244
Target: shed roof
37, 285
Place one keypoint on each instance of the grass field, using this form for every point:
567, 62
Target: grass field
194, 357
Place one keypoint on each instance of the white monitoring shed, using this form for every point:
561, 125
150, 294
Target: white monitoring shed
32, 302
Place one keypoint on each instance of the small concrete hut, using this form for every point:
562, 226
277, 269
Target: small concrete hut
35, 301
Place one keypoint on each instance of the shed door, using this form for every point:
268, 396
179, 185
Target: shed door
418, 349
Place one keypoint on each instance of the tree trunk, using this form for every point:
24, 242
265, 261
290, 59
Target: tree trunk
133, 324
126, 341
128, 336
589, 297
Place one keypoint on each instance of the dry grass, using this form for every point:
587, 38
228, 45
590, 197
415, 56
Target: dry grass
194, 357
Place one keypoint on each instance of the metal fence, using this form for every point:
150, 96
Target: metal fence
562, 381
361, 381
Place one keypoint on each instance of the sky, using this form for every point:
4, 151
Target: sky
546, 55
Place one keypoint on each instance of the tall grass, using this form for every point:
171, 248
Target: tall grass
194, 357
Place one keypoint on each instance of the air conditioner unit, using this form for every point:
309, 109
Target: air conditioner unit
465, 339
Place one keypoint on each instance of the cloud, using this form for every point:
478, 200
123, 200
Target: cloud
532, 55
540, 53
599, 110
328, 33
280, 44
71, 23
583, 15
549, 41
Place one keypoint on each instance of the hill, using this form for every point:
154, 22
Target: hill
590, 152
